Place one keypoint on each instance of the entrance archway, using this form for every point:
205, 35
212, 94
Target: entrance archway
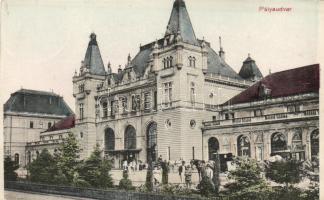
151, 134
213, 147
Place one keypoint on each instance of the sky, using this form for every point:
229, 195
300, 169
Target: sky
44, 42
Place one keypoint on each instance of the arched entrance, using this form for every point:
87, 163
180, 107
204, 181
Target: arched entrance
278, 144
109, 139
243, 146
151, 134
130, 152
213, 147
314, 138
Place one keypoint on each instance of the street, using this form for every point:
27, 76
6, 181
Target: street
15, 195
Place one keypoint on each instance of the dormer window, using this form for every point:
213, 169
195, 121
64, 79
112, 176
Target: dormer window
129, 76
81, 88
167, 62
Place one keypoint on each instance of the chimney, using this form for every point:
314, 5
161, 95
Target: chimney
221, 52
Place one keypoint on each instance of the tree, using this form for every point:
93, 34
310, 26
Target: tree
10, 167
287, 172
247, 180
216, 172
125, 183
43, 168
95, 170
68, 157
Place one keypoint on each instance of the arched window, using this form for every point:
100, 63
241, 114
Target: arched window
314, 144
193, 62
164, 63
213, 147
278, 142
17, 158
190, 61
297, 143
170, 61
151, 141
109, 139
243, 146
130, 138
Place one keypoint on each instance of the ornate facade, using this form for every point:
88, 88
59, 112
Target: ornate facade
178, 98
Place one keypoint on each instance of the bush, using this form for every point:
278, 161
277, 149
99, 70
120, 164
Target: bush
9, 169
248, 182
95, 170
125, 183
43, 168
287, 172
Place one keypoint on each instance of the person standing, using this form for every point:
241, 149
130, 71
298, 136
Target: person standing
182, 171
188, 174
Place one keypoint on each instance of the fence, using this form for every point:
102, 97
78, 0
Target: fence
111, 194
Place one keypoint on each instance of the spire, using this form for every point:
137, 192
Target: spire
129, 59
92, 60
221, 51
250, 70
180, 22
109, 68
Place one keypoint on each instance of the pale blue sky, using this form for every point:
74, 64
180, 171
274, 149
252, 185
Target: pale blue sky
43, 42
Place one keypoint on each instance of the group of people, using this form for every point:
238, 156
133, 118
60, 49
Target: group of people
162, 168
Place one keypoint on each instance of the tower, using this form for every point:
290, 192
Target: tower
180, 62
92, 74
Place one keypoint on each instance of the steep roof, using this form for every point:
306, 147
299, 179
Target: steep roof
37, 102
179, 22
92, 59
285, 83
66, 123
216, 65
250, 70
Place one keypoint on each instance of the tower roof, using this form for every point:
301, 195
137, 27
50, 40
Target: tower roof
179, 22
92, 59
250, 70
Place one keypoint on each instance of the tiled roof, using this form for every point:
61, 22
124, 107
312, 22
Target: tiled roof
280, 84
216, 65
92, 59
66, 123
179, 22
37, 102
250, 70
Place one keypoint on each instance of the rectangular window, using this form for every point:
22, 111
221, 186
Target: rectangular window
49, 124
192, 92
226, 116
293, 108
147, 101
81, 109
105, 109
155, 100
258, 113
133, 103
112, 112
168, 94
124, 104
214, 118
31, 124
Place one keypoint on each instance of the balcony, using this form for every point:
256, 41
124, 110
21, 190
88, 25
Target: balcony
260, 119
45, 142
